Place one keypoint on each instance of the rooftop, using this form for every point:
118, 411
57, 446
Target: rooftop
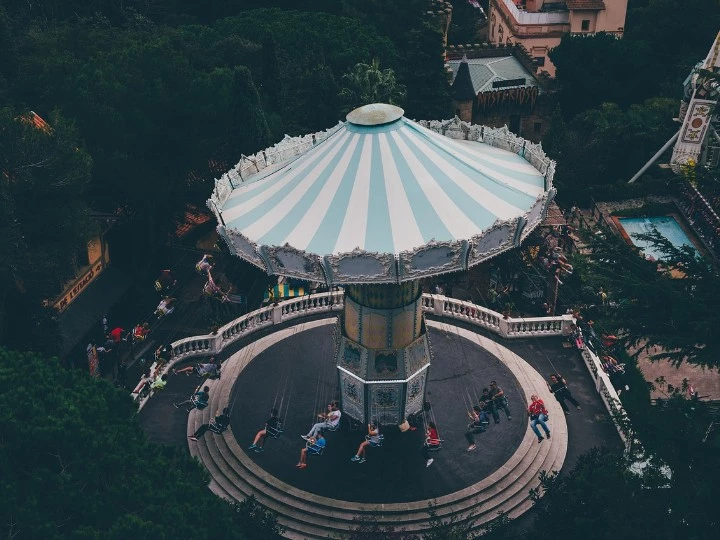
486, 71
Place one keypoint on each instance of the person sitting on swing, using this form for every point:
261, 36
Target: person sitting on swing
222, 421
165, 281
210, 370
373, 438
499, 401
165, 307
141, 331
313, 446
330, 420
478, 425
213, 289
432, 440
205, 264
199, 400
272, 423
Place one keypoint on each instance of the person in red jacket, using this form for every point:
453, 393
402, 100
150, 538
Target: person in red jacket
538, 415
117, 334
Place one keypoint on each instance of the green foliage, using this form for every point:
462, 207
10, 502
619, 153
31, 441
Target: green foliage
74, 463
44, 221
599, 499
607, 145
367, 83
671, 305
464, 23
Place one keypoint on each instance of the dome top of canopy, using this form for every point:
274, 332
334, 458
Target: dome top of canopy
375, 114
383, 199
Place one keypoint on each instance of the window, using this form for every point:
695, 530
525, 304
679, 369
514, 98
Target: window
539, 60
537, 127
585, 25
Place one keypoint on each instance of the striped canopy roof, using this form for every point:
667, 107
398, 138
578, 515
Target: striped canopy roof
384, 189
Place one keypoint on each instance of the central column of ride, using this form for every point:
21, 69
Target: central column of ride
383, 353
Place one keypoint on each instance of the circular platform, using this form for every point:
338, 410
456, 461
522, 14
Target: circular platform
394, 486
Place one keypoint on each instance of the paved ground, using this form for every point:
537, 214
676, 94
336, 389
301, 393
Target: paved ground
395, 472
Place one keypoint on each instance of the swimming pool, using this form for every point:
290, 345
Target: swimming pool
667, 226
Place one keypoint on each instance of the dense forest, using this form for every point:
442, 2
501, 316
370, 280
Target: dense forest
148, 102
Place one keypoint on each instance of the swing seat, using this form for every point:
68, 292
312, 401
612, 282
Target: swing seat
314, 449
217, 428
375, 442
211, 376
274, 432
199, 405
433, 445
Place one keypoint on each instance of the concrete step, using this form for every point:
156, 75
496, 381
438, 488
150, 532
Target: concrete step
304, 515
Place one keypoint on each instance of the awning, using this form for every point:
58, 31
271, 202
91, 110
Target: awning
285, 291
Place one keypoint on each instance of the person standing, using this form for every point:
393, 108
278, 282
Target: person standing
538, 415
498, 401
558, 386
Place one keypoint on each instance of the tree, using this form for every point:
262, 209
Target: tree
599, 499
603, 147
44, 222
248, 118
75, 463
670, 304
367, 83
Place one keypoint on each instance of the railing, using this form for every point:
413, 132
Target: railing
434, 304
611, 399
515, 327
523, 17
500, 137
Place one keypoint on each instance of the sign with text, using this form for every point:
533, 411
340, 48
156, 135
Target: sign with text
83, 281
524, 96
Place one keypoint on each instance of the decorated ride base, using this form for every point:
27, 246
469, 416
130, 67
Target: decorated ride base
296, 366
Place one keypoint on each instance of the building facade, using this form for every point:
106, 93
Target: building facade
497, 86
539, 25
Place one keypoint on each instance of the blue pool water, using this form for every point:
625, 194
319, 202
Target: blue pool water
667, 226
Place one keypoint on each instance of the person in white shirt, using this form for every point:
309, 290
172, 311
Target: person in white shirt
330, 420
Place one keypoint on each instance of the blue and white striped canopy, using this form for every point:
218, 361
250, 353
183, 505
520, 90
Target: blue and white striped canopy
385, 189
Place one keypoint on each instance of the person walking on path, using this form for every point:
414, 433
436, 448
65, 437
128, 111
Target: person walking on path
558, 386
498, 401
538, 415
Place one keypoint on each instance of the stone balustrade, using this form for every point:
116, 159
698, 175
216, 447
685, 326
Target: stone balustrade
610, 398
433, 304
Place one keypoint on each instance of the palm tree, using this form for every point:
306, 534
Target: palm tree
367, 83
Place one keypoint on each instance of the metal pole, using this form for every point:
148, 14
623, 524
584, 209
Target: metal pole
655, 158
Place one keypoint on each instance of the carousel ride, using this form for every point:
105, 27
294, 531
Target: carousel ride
374, 205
